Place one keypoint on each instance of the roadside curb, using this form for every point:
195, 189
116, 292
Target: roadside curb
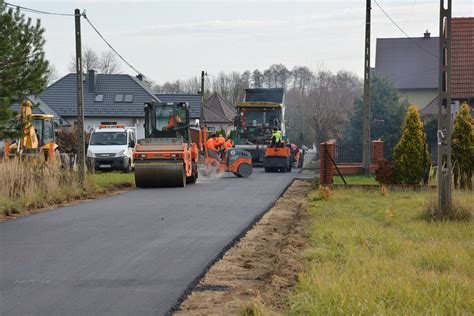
190, 288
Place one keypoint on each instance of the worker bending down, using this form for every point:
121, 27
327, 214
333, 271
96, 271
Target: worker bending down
276, 138
211, 145
228, 144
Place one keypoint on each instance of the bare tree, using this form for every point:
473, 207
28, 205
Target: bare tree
90, 60
52, 74
108, 63
257, 79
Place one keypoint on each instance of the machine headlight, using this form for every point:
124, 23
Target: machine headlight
120, 153
90, 154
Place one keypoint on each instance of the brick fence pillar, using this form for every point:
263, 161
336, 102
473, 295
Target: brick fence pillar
326, 170
376, 151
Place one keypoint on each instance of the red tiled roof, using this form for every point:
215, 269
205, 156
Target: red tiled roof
462, 62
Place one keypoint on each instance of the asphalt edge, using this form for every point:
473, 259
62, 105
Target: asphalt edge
231, 244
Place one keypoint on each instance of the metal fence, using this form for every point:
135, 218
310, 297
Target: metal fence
348, 152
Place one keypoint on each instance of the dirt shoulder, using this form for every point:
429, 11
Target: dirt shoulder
262, 267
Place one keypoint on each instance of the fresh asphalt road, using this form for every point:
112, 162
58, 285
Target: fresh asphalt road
129, 254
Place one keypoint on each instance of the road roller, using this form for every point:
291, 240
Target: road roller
166, 157
234, 160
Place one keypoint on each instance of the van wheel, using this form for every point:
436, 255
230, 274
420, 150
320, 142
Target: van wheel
128, 168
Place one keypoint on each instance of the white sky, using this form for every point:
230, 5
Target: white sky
170, 40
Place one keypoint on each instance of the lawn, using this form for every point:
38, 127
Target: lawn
372, 254
359, 179
108, 180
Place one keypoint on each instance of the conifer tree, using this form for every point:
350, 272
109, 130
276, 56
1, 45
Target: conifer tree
463, 148
23, 67
412, 159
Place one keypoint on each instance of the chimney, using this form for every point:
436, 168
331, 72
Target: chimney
427, 34
91, 80
140, 77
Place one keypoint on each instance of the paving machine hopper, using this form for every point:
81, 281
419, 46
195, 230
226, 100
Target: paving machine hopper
166, 157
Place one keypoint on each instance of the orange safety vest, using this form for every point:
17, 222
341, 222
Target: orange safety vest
211, 144
171, 122
228, 144
220, 141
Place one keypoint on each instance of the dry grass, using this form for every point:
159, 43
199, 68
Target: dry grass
461, 211
372, 254
29, 185
25, 186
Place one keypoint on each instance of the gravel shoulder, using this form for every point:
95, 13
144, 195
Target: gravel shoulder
262, 267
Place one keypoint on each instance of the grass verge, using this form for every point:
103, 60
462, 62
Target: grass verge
356, 180
27, 186
374, 254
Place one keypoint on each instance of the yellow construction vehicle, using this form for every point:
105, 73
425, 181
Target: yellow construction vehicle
37, 139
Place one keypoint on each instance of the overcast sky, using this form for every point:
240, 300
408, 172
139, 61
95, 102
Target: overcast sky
168, 40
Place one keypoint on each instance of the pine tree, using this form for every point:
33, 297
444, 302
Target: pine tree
412, 159
462, 142
23, 67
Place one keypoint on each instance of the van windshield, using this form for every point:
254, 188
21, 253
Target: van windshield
108, 138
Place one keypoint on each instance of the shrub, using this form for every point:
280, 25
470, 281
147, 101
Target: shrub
412, 160
463, 148
67, 140
385, 173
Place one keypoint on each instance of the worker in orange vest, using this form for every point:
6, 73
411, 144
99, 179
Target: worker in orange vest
211, 145
220, 141
172, 120
228, 144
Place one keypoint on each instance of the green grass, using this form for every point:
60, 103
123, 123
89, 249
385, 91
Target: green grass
359, 179
108, 180
373, 254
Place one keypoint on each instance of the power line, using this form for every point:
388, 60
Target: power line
35, 10
403, 31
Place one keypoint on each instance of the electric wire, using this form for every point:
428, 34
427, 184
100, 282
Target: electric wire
402, 30
26, 9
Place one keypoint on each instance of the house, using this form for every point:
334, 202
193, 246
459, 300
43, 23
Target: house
218, 114
193, 100
108, 98
412, 65
462, 65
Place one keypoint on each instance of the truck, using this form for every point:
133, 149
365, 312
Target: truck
111, 147
261, 111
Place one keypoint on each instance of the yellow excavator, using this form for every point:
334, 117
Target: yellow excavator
37, 139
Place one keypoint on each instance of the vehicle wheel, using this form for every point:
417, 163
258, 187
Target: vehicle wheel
193, 178
128, 168
244, 170
182, 182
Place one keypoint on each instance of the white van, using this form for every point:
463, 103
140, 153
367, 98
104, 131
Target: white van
111, 148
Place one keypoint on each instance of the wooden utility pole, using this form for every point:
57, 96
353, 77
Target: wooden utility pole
444, 110
366, 112
203, 74
80, 103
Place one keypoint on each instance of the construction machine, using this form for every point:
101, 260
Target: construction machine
166, 156
277, 158
261, 111
234, 160
37, 139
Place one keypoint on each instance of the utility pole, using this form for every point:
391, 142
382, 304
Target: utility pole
203, 74
366, 112
444, 110
80, 103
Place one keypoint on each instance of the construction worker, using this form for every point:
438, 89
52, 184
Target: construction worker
228, 144
220, 141
211, 145
276, 138
172, 121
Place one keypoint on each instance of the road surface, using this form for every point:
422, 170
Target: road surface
129, 254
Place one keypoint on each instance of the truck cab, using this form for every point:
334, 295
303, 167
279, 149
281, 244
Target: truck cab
111, 147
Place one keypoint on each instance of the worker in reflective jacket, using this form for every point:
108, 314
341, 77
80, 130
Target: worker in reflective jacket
276, 138
211, 145
228, 144
172, 120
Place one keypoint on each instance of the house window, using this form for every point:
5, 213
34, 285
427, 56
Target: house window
99, 98
119, 98
128, 98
